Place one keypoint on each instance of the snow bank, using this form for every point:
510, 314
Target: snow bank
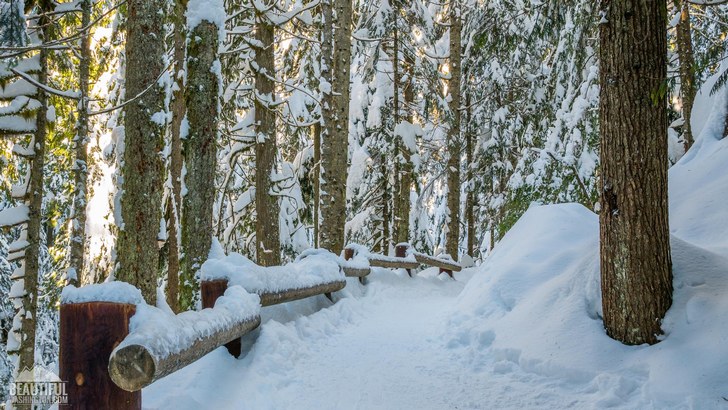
313, 267
534, 306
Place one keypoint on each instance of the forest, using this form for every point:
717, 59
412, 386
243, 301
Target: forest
138, 138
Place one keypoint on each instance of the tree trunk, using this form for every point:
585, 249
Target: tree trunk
402, 179
142, 171
267, 208
470, 199
200, 149
635, 237
687, 69
385, 204
316, 171
453, 135
77, 249
30, 266
402, 214
335, 127
174, 206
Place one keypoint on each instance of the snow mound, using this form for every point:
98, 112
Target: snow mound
534, 306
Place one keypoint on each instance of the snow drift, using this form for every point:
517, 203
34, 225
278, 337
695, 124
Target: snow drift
535, 304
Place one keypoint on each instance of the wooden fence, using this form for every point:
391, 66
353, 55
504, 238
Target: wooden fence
106, 365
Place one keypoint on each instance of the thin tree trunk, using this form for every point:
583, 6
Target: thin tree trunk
635, 236
174, 206
316, 171
76, 272
687, 69
200, 148
142, 171
453, 135
406, 168
335, 128
34, 199
386, 211
470, 199
267, 208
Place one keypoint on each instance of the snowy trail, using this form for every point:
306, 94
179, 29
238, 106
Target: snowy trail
381, 349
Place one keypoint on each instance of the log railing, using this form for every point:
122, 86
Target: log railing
112, 344
405, 258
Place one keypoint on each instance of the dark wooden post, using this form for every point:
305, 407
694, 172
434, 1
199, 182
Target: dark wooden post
448, 271
89, 332
211, 290
348, 255
400, 251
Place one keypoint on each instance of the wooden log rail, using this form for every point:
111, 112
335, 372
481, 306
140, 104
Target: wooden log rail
112, 347
403, 259
160, 344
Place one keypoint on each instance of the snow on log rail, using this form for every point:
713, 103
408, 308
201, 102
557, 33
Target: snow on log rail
315, 272
379, 260
159, 344
406, 258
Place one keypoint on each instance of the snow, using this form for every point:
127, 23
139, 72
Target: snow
212, 11
311, 268
164, 333
116, 292
523, 330
14, 216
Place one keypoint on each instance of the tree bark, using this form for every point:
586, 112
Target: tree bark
687, 69
34, 199
635, 237
174, 206
142, 171
267, 208
470, 199
453, 135
402, 180
77, 249
200, 150
316, 171
335, 126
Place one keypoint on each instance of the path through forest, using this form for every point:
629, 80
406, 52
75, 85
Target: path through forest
380, 346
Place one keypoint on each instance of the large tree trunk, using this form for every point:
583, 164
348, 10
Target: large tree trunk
174, 205
200, 148
267, 208
635, 238
144, 139
77, 249
687, 69
453, 135
335, 127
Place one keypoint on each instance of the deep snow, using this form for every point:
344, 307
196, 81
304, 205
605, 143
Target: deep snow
523, 330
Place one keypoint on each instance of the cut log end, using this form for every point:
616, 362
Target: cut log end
132, 368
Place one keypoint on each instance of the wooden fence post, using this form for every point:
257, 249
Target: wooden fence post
349, 255
89, 332
400, 251
211, 290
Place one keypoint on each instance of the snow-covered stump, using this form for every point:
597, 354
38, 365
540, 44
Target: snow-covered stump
89, 332
159, 343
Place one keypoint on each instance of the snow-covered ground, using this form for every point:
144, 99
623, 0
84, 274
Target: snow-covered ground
523, 330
